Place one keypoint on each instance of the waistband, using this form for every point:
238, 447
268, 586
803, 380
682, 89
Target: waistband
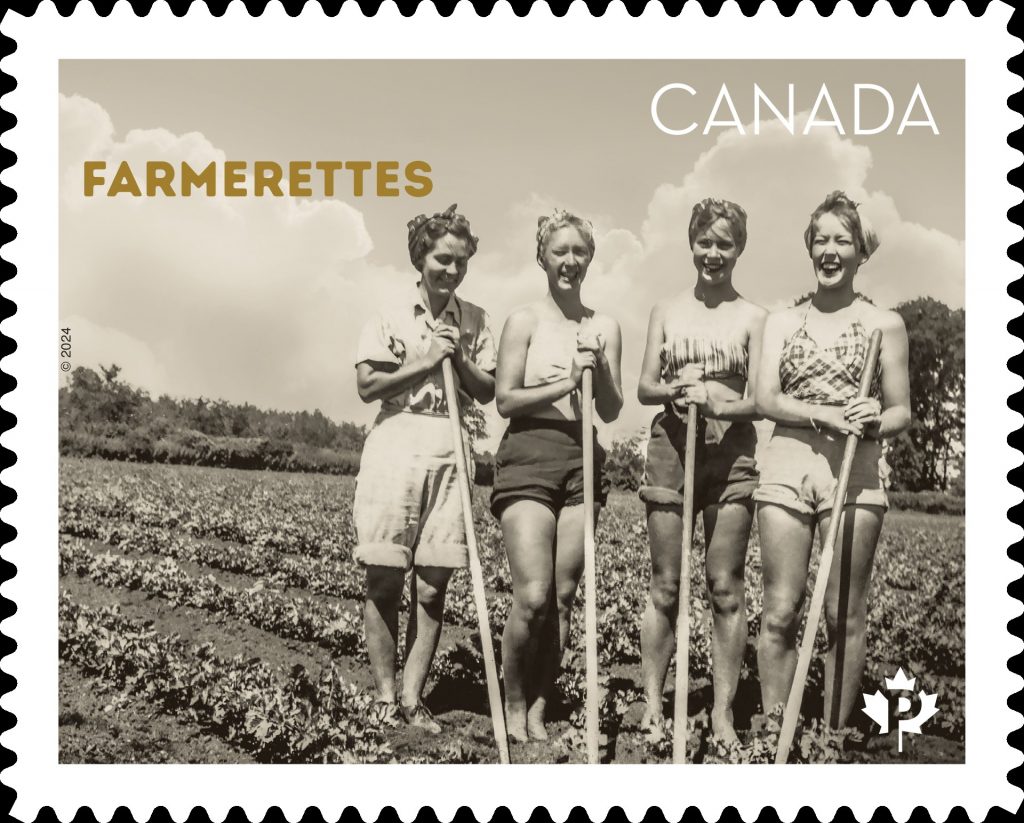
823, 438
573, 428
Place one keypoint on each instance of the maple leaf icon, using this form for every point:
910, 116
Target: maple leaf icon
876, 706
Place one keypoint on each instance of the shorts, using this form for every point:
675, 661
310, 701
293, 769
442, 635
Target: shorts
542, 460
800, 471
724, 471
407, 509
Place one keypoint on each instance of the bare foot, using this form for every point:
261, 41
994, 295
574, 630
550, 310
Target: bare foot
652, 724
722, 728
535, 722
515, 724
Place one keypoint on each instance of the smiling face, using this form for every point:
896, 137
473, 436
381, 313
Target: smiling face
444, 268
715, 253
565, 258
834, 252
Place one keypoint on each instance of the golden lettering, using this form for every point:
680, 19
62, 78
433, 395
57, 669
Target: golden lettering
124, 181
206, 179
422, 184
387, 179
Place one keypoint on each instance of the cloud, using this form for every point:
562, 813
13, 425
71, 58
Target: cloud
246, 299
779, 179
261, 300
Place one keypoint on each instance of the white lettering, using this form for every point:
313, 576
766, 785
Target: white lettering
657, 99
930, 122
813, 122
760, 96
723, 95
857, 89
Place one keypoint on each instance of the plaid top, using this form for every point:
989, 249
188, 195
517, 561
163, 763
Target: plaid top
826, 375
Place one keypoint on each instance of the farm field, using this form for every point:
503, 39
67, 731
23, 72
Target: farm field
214, 615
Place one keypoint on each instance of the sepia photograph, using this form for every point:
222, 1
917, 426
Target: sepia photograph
499, 411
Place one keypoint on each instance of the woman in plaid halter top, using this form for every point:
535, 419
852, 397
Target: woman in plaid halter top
826, 375
808, 382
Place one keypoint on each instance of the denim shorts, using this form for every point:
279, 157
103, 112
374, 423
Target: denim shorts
724, 468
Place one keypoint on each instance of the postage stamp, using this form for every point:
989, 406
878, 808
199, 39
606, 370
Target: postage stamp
577, 393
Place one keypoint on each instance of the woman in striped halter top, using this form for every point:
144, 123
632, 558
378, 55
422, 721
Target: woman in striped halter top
701, 345
812, 358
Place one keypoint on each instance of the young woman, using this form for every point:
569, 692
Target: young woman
538, 486
701, 346
811, 363
407, 509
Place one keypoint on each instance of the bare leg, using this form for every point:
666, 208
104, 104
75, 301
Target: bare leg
786, 538
846, 608
657, 630
726, 529
426, 614
380, 622
528, 529
568, 568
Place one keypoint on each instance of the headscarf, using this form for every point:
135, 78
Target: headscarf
561, 218
424, 232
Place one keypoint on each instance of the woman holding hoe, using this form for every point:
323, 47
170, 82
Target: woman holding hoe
538, 487
811, 363
407, 509
703, 347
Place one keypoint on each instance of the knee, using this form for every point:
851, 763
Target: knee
780, 617
726, 594
430, 594
533, 600
384, 589
665, 594
853, 623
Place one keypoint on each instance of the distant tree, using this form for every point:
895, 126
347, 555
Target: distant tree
476, 422
928, 456
624, 463
106, 404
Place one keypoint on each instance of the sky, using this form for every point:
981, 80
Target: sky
260, 300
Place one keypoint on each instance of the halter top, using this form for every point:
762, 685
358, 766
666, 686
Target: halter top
826, 375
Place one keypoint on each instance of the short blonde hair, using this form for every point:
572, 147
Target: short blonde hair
847, 211
559, 219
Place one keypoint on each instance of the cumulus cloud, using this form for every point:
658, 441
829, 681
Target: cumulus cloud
779, 179
247, 299
261, 299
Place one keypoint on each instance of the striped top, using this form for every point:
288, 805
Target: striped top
720, 358
826, 375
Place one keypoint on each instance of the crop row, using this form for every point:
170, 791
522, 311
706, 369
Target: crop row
328, 625
301, 514
279, 716
296, 530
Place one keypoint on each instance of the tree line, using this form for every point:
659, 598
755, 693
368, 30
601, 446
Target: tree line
102, 415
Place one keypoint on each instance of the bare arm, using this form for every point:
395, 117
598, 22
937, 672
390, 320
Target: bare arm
743, 408
513, 399
892, 415
476, 382
651, 391
379, 380
607, 373
769, 399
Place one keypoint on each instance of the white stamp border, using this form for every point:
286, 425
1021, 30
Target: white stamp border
982, 42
